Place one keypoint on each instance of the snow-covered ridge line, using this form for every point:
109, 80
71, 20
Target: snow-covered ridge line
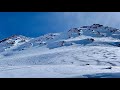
55, 40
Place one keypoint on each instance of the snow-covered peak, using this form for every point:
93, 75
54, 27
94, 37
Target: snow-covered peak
14, 37
12, 42
84, 35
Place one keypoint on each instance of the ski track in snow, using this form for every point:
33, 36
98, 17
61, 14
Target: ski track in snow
77, 55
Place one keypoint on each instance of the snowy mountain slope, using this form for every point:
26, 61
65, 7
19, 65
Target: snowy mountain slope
12, 42
79, 48
92, 55
58, 39
59, 71
73, 42
54, 40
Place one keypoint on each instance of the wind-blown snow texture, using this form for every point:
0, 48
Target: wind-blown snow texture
79, 52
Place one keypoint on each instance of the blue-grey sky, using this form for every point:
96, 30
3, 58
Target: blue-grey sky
34, 24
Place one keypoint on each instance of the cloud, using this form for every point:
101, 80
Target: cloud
87, 18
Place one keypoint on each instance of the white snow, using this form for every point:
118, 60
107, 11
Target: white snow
58, 71
79, 53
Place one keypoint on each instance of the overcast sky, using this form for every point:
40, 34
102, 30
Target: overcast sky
34, 24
